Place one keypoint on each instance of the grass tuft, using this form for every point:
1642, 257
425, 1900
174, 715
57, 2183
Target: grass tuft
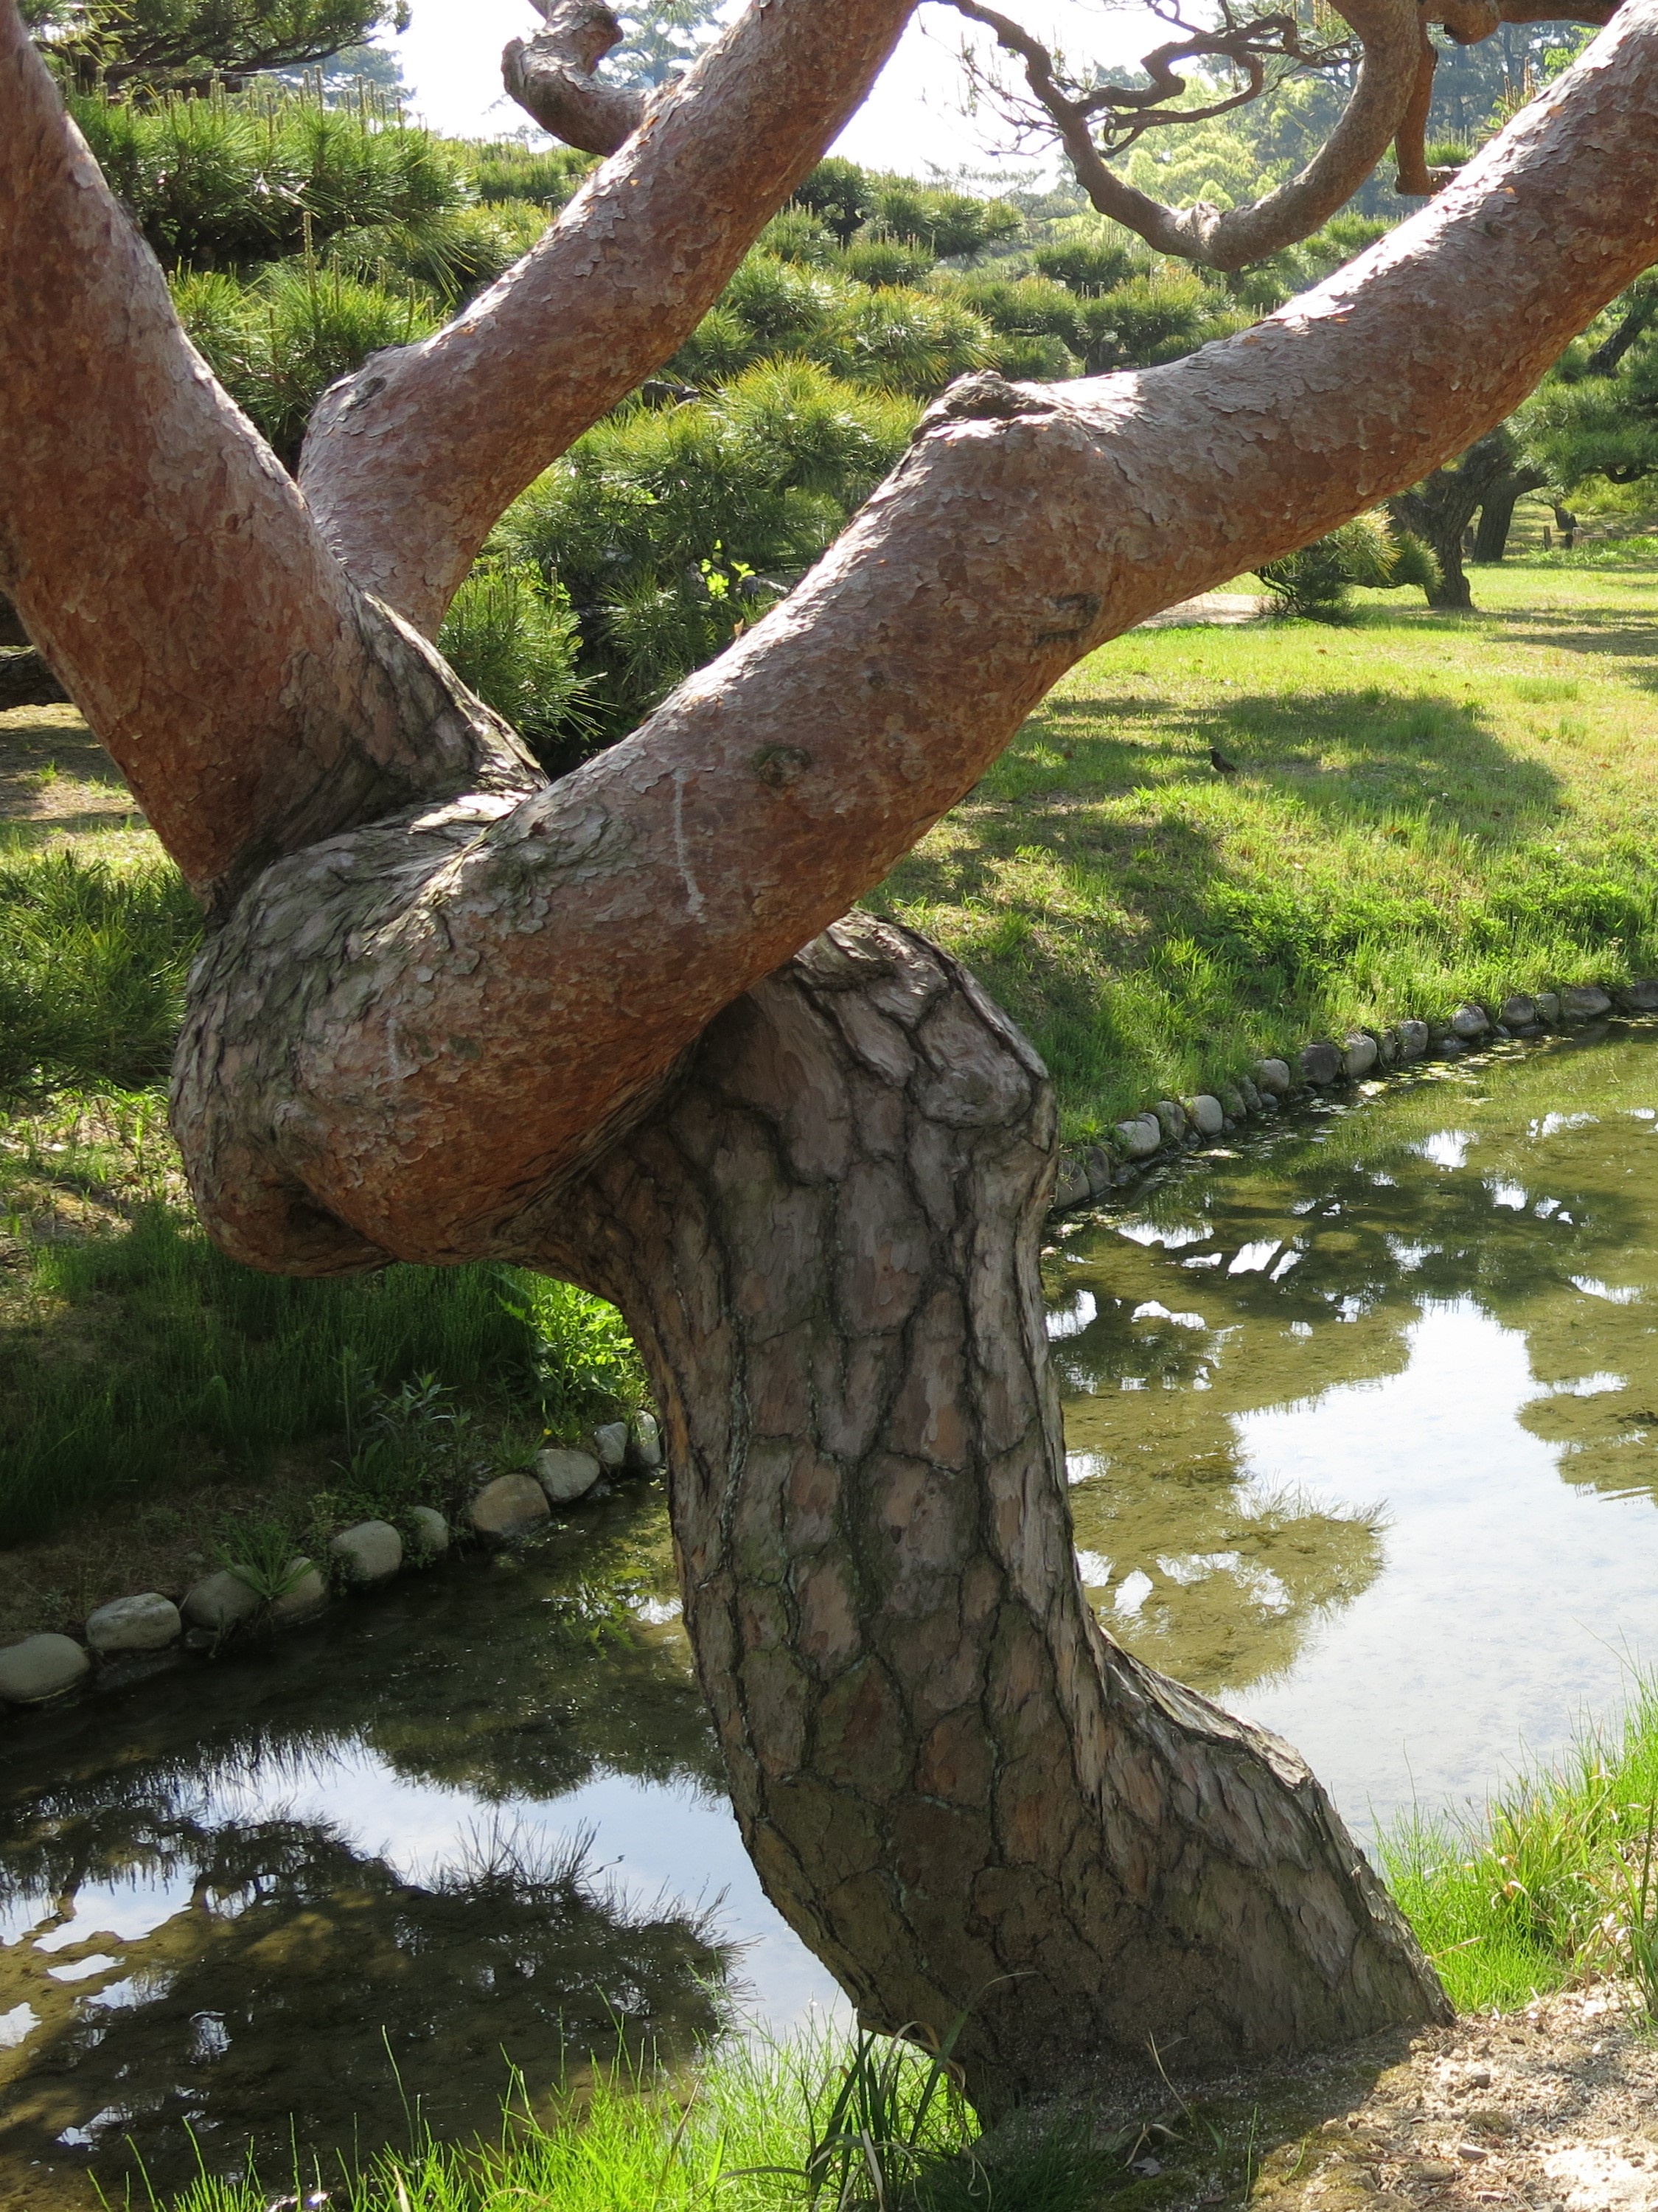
1557, 1885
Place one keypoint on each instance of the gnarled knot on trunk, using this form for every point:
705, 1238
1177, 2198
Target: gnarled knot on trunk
552, 77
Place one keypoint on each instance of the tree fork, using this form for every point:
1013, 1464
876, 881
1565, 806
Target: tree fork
957, 1789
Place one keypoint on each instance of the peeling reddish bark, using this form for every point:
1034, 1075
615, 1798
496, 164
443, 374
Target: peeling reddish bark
447, 1010
617, 911
409, 464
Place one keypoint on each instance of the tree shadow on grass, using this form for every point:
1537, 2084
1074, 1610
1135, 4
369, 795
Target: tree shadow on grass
1096, 900
1368, 754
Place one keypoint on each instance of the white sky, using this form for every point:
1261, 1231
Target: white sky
452, 61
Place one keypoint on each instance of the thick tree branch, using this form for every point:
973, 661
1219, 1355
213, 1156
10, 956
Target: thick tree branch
409, 464
551, 77
1229, 238
594, 930
163, 558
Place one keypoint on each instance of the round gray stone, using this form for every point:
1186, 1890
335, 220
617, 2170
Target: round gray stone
1641, 998
1517, 1010
431, 1532
1071, 1185
645, 1446
1548, 1007
1232, 1103
304, 1591
1251, 1095
146, 1623
565, 1475
220, 1603
1171, 1120
610, 1443
1322, 1063
1273, 1078
1205, 1113
508, 1506
1098, 1166
1359, 1052
41, 1667
1470, 1022
370, 1553
1141, 1136
1584, 1002
1413, 1041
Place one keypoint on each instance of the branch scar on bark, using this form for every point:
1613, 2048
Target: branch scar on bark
695, 905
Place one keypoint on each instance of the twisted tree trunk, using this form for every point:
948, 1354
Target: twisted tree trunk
447, 1011
955, 1788
1491, 537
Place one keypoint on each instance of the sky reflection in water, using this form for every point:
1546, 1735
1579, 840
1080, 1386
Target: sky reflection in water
1362, 1436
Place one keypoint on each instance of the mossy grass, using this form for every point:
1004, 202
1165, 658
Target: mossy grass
1426, 807
135, 1358
1554, 1884
825, 2120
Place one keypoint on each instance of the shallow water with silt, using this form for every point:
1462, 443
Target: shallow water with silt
1362, 1424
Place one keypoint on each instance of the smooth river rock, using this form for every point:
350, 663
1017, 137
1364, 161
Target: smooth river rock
41, 1667
510, 1505
431, 1539
1413, 1041
1470, 1022
370, 1553
1206, 1113
304, 1591
146, 1623
1250, 1095
1273, 1078
1359, 1052
1171, 1120
1548, 1007
1641, 998
610, 1443
220, 1603
1072, 1185
1584, 1002
644, 1445
1322, 1063
565, 1475
1141, 1136
1517, 1011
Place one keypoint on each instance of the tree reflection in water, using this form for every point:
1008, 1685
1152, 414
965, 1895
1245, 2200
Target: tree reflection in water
1527, 1186
183, 1947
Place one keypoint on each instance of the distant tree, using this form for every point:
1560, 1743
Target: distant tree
1597, 414
661, 41
167, 44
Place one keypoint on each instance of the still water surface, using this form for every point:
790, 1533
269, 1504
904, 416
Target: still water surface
1362, 1435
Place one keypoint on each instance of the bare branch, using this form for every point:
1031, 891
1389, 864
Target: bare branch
163, 558
591, 932
409, 464
1389, 33
1415, 177
551, 77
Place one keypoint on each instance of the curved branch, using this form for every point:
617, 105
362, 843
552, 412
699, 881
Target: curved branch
163, 558
551, 77
590, 932
409, 464
1229, 238
1415, 179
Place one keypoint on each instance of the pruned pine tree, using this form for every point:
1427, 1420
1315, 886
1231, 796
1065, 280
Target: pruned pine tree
160, 46
622, 1026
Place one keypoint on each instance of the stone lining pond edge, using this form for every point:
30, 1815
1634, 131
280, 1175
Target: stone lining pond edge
146, 1631
1171, 1128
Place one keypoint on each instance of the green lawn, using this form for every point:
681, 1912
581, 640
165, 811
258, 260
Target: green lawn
1427, 807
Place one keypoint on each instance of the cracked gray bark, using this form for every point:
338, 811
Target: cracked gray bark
958, 1789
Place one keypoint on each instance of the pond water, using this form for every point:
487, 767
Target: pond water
1363, 1435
